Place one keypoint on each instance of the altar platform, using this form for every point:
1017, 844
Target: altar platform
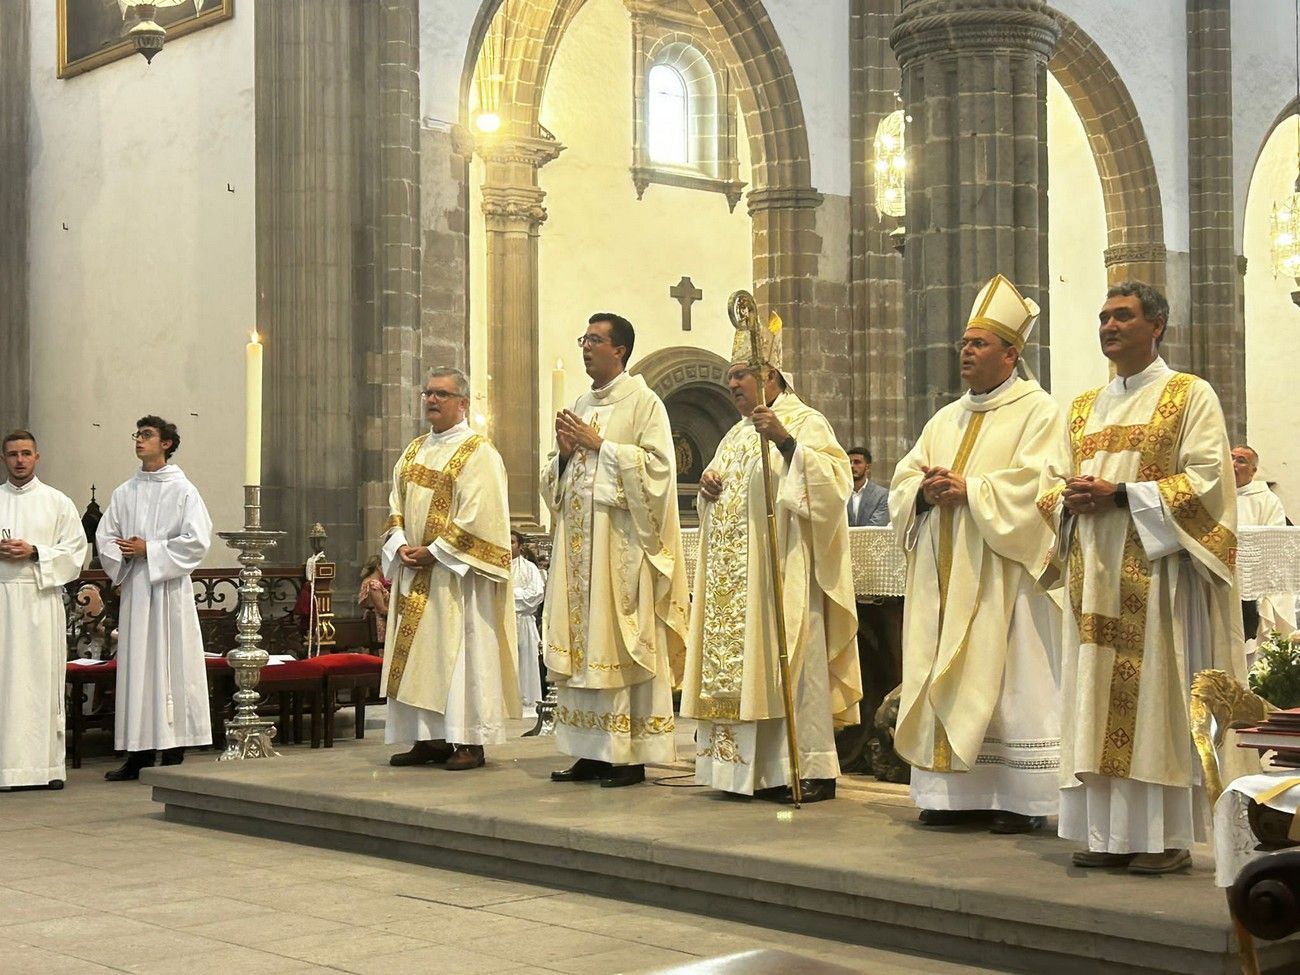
858, 869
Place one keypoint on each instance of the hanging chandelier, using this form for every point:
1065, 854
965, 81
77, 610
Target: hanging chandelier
145, 33
890, 165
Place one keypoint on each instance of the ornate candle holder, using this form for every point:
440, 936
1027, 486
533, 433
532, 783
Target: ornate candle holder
545, 714
247, 735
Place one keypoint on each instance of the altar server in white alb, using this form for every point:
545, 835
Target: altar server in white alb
42, 547
530, 589
449, 654
979, 718
1145, 502
1258, 506
732, 684
156, 532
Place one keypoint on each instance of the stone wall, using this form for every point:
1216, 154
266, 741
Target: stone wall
15, 93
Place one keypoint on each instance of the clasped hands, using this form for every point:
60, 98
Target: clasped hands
1087, 495
572, 432
15, 550
415, 556
942, 488
132, 547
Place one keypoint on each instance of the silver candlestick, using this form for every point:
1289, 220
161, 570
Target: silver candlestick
247, 735
545, 714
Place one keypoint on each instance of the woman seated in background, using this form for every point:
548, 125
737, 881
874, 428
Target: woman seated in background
373, 597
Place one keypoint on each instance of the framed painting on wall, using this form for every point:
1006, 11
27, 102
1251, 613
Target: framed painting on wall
92, 33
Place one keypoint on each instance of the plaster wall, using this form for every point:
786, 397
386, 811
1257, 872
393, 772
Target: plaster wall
1272, 322
1155, 73
1263, 84
142, 285
445, 28
1075, 243
601, 249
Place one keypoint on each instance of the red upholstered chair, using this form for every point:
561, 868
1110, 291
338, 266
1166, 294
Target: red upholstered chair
296, 683
357, 672
77, 721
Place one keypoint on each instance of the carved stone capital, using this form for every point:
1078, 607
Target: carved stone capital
519, 150
783, 198
1135, 252
514, 207
934, 27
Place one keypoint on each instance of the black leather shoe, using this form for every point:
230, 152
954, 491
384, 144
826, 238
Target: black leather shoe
620, 775
1009, 823
423, 753
811, 790
584, 770
954, 817
130, 770
172, 756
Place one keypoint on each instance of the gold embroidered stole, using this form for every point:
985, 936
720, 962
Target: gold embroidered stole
942, 748
579, 516
437, 524
1124, 635
726, 594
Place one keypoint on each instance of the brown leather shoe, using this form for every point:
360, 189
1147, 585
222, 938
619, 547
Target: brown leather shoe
1170, 861
423, 753
466, 757
1096, 858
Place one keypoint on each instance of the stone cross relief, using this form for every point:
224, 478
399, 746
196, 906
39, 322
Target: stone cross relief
686, 294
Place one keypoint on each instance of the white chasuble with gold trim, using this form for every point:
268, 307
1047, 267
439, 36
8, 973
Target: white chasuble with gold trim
450, 645
732, 682
980, 694
614, 619
1152, 589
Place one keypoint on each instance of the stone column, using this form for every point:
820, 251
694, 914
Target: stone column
307, 127
396, 366
1215, 329
786, 254
512, 206
975, 84
15, 336
877, 339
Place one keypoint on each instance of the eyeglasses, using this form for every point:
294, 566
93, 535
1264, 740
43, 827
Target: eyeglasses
441, 395
143, 435
979, 345
587, 340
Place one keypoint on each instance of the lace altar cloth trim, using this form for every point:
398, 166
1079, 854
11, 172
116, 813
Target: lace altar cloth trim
1268, 561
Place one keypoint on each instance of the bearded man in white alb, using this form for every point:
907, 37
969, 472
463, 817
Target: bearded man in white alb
732, 685
1146, 510
614, 622
156, 532
449, 654
42, 547
1257, 505
979, 716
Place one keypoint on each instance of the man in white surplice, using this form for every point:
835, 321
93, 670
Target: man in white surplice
1146, 514
614, 623
449, 653
979, 716
1257, 505
530, 588
156, 532
42, 547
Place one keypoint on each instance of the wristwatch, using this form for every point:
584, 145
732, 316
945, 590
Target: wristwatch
35, 556
1121, 495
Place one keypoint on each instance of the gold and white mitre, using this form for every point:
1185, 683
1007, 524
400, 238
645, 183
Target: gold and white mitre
769, 343
1001, 309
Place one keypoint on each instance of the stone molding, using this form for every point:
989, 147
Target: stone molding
518, 150
668, 370
939, 27
783, 198
1137, 252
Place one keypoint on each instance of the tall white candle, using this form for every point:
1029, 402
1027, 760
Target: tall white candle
558, 401
253, 411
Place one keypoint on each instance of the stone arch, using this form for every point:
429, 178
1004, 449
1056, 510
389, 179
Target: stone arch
1135, 232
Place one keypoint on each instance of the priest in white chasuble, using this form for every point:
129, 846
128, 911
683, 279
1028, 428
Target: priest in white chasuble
156, 532
42, 548
979, 716
1146, 514
530, 589
732, 685
449, 653
1257, 505
614, 620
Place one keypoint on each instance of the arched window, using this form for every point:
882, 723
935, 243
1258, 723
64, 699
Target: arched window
668, 117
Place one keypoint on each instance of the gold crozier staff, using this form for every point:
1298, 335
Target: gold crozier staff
744, 315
